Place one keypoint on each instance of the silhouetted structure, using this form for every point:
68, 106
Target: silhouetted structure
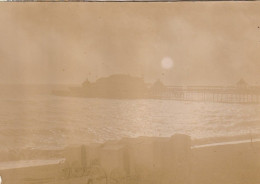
114, 86
128, 87
239, 93
242, 84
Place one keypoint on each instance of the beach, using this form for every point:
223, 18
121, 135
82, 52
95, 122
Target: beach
232, 162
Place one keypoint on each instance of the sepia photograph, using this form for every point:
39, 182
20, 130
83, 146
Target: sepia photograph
130, 92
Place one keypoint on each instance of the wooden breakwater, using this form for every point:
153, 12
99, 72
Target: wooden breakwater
146, 160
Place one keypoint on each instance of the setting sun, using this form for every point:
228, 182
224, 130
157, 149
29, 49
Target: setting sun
167, 63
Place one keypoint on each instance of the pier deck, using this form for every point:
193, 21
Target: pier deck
221, 94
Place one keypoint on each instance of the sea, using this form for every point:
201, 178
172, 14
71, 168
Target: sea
31, 117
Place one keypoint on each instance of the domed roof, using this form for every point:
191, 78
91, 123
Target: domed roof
85, 83
158, 84
242, 83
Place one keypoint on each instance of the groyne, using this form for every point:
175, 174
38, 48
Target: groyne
147, 160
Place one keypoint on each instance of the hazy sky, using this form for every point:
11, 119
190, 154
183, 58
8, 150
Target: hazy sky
213, 43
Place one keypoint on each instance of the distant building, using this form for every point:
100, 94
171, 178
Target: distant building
86, 83
242, 84
114, 86
158, 85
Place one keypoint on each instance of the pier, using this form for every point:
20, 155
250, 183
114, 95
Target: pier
241, 93
128, 87
206, 93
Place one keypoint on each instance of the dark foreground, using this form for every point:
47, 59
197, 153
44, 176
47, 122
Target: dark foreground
143, 160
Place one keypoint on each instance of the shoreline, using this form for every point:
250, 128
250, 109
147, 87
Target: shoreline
42, 154
23, 154
219, 162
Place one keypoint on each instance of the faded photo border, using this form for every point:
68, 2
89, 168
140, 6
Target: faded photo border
150, 148
126, 0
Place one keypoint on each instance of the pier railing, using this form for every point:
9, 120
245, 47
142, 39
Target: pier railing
223, 94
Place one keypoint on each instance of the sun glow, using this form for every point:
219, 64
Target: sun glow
167, 63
